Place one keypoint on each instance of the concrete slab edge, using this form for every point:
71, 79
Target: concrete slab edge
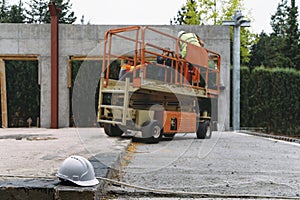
276, 137
51, 189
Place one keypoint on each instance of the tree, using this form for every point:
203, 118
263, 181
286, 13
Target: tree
278, 20
268, 52
193, 13
16, 13
206, 12
4, 9
229, 7
66, 16
286, 29
39, 12
282, 47
258, 50
188, 14
292, 47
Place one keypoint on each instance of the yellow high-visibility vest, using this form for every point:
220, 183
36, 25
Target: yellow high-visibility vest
190, 38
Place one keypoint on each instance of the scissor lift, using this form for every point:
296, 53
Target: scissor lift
156, 100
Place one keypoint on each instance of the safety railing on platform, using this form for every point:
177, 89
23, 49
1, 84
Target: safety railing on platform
145, 52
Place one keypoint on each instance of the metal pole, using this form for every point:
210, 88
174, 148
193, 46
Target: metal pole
54, 11
236, 78
237, 22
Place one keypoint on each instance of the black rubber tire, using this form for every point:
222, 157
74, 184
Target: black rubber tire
154, 129
112, 130
204, 130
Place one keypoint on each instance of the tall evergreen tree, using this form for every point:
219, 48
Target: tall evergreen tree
278, 20
66, 16
259, 50
4, 9
282, 47
293, 36
16, 13
39, 12
268, 52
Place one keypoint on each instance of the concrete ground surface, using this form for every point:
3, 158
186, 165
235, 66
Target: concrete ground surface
30, 158
230, 165
229, 162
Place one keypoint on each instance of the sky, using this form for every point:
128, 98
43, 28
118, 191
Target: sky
159, 12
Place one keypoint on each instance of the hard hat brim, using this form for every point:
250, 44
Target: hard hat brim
80, 183
86, 183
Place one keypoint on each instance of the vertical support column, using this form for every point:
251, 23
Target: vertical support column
237, 23
3, 94
54, 11
236, 78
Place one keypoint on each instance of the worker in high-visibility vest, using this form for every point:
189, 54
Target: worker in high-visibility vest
191, 38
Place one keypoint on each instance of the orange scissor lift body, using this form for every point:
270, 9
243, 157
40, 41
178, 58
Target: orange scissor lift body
156, 99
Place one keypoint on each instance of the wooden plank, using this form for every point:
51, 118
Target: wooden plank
3, 95
22, 57
85, 57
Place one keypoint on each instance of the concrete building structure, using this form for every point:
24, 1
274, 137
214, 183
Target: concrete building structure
33, 40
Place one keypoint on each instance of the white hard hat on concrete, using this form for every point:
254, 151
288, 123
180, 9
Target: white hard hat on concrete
180, 33
78, 170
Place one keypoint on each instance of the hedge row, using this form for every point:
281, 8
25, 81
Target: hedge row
270, 98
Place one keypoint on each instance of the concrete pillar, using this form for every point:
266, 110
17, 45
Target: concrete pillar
45, 81
63, 93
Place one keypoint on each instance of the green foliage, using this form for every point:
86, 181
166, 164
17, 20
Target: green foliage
38, 12
270, 99
228, 9
293, 36
208, 12
188, 14
16, 13
23, 92
244, 98
270, 51
205, 12
282, 47
260, 97
4, 10
278, 20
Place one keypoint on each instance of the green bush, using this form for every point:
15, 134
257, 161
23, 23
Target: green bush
23, 92
244, 96
270, 99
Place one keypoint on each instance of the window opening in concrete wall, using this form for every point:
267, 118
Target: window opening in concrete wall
23, 93
84, 85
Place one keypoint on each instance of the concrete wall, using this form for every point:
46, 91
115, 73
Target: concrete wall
25, 39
